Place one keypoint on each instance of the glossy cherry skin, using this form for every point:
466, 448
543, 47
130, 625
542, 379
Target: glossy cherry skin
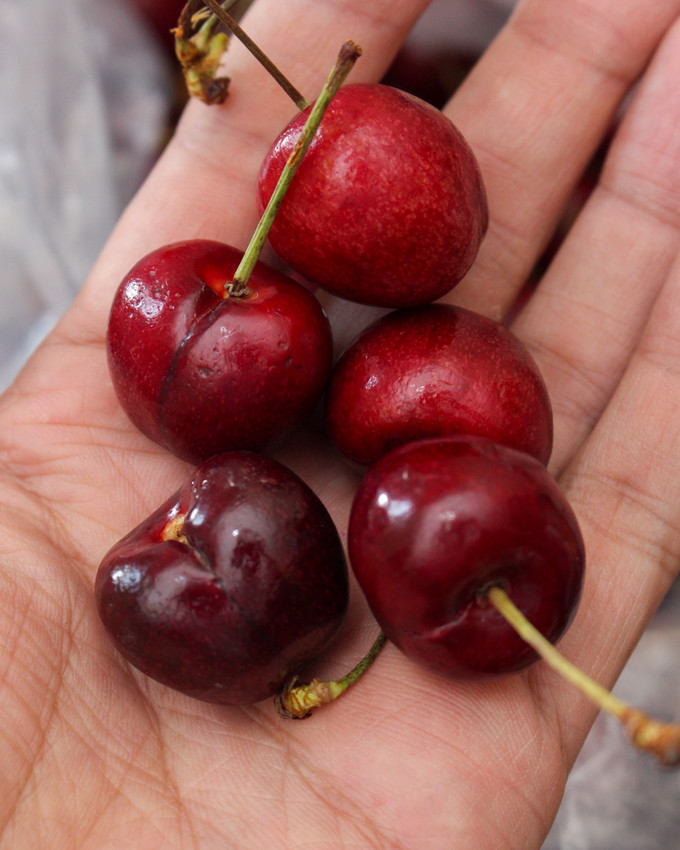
230, 585
437, 522
432, 371
388, 206
199, 373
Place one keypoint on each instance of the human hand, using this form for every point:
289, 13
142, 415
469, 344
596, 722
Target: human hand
94, 754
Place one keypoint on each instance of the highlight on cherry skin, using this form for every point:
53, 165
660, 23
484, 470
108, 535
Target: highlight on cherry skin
230, 585
388, 207
437, 522
432, 371
201, 368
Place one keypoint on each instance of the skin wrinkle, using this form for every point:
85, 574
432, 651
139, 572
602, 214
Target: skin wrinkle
616, 492
575, 44
661, 209
163, 771
48, 711
69, 786
58, 514
245, 738
537, 680
625, 492
482, 771
508, 232
59, 675
664, 362
20, 784
311, 777
581, 376
643, 355
49, 515
59, 341
591, 378
478, 777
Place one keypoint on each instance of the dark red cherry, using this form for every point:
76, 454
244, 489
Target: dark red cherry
387, 208
201, 373
230, 585
432, 371
435, 524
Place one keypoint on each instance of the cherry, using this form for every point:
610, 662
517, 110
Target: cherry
210, 350
431, 371
472, 562
438, 522
230, 585
200, 371
388, 207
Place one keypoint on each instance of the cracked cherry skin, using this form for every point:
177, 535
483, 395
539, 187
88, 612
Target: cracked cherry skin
388, 207
200, 373
435, 523
431, 371
230, 585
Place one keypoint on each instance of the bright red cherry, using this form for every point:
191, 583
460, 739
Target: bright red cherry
201, 373
388, 207
230, 585
435, 524
431, 371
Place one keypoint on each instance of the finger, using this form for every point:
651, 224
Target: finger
588, 313
534, 110
625, 488
204, 184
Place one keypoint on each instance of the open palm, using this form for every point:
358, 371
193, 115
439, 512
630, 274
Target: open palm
93, 754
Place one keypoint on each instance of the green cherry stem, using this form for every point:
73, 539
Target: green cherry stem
662, 740
232, 25
298, 701
349, 53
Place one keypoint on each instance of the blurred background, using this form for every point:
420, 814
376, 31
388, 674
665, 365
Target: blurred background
83, 119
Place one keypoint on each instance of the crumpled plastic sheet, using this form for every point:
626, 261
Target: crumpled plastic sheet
84, 97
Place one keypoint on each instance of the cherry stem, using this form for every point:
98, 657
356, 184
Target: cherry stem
232, 25
199, 50
298, 701
646, 733
349, 53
